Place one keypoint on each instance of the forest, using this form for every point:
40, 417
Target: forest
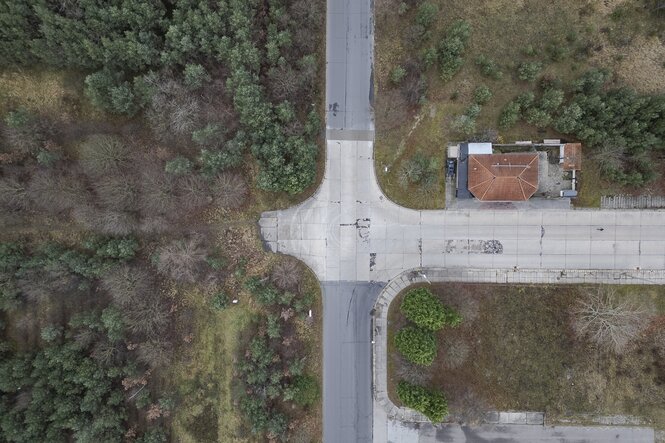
139, 139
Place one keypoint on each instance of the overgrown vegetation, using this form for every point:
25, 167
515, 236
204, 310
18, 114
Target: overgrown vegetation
430, 107
184, 64
138, 141
574, 352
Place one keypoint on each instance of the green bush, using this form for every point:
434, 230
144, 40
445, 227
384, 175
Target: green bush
551, 100
418, 170
538, 117
488, 67
397, 75
417, 345
178, 166
304, 390
528, 71
509, 115
451, 48
423, 308
426, 14
482, 95
430, 403
473, 111
464, 124
220, 301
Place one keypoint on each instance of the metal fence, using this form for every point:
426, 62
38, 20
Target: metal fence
632, 202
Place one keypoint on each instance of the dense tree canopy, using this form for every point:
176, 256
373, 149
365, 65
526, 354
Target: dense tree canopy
128, 47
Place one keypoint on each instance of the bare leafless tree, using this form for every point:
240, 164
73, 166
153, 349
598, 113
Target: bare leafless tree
193, 192
230, 190
183, 260
55, 192
608, 320
134, 292
159, 194
174, 111
154, 224
286, 275
155, 353
104, 154
13, 193
127, 284
117, 192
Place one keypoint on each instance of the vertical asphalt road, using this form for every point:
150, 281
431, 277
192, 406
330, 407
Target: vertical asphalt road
347, 361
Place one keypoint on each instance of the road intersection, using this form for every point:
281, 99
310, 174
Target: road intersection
356, 240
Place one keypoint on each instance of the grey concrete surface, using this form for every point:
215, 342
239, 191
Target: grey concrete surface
352, 236
347, 376
425, 433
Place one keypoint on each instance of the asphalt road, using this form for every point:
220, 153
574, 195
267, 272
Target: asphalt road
349, 61
352, 236
347, 353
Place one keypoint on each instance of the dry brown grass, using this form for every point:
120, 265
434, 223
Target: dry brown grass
53, 92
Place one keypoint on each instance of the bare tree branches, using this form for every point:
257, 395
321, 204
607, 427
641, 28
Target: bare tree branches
607, 320
230, 190
183, 260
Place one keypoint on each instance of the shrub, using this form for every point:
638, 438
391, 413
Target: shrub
178, 166
509, 115
397, 75
473, 111
305, 390
464, 124
451, 47
430, 403
551, 100
220, 301
416, 344
424, 309
418, 170
488, 67
528, 71
482, 95
426, 14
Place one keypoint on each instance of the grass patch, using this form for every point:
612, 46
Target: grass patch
205, 378
516, 350
505, 34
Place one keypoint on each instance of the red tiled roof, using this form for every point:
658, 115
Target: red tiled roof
503, 177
